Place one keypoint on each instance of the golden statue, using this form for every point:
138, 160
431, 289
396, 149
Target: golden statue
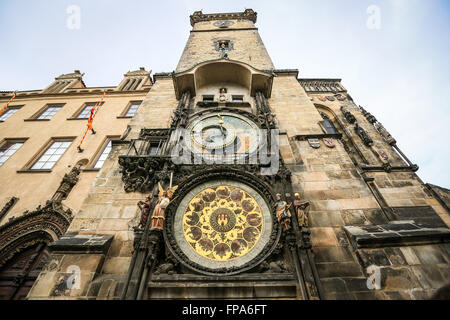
283, 214
159, 213
302, 209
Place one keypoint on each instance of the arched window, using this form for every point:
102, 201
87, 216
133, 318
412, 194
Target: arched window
328, 125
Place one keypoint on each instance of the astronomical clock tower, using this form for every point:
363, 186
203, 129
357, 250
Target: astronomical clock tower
250, 183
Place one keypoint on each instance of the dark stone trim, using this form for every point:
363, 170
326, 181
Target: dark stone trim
366, 167
91, 170
317, 136
76, 243
223, 30
396, 234
36, 120
34, 171
74, 119
8, 207
123, 117
238, 278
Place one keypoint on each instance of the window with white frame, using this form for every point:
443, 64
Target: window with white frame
48, 160
8, 149
133, 109
49, 112
85, 113
105, 153
8, 113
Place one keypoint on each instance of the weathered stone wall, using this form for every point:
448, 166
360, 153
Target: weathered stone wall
35, 188
248, 46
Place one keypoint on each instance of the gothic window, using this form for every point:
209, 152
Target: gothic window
49, 113
8, 149
48, 160
8, 113
85, 111
103, 156
329, 127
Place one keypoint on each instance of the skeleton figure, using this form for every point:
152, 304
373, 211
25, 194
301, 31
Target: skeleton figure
283, 214
163, 202
302, 209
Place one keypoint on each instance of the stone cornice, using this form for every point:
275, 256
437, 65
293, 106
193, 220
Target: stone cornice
76, 75
138, 73
199, 16
71, 94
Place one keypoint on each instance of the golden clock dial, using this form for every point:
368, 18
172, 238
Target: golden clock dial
222, 223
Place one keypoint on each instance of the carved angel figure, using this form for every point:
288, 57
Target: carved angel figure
159, 214
283, 214
302, 209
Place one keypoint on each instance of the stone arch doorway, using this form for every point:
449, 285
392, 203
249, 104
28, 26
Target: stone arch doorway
18, 275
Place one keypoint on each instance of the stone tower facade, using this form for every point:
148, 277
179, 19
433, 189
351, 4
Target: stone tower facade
239, 180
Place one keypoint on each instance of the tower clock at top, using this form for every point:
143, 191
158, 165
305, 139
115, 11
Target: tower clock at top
238, 29
223, 24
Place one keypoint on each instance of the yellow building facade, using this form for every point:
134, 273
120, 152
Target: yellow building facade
39, 135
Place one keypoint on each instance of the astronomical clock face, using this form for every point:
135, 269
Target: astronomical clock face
222, 224
224, 133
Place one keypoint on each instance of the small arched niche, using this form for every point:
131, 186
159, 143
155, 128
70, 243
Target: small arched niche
223, 72
329, 123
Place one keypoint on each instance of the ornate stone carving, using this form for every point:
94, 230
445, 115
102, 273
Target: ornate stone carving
138, 173
348, 115
181, 114
248, 14
368, 116
7, 207
385, 134
148, 134
322, 85
266, 118
363, 135
68, 182
38, 226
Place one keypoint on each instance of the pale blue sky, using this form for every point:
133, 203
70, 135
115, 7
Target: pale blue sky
399, 73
